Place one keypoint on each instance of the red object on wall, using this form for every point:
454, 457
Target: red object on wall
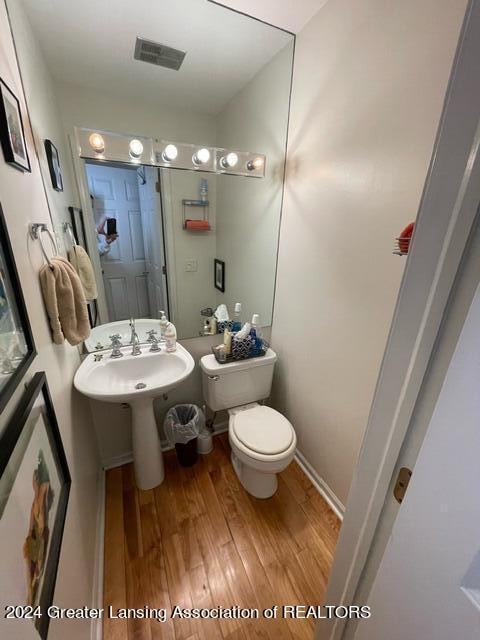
197, 225
405, 238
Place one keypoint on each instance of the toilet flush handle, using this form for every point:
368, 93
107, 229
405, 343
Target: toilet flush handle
214, 378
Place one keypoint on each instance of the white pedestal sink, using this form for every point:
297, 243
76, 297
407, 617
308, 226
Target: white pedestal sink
137, 380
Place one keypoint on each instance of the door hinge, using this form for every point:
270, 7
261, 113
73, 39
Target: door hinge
157, 187
164, 270
401, 485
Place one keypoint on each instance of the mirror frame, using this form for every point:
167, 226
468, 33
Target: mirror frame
18, 374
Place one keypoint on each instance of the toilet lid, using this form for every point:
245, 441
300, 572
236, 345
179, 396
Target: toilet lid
263, 430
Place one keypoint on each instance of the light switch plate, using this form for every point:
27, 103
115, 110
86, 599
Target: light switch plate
191, 265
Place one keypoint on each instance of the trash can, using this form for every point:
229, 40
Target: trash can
183, 424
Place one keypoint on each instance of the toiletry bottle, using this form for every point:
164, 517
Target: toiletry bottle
170, 337
255, 334
163, 324
203, 190
254, 329
237, 322
213, 325
227, 341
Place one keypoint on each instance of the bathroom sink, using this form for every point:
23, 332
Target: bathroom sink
99, 338
131, 378
137, 380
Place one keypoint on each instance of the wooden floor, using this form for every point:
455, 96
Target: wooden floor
199, 540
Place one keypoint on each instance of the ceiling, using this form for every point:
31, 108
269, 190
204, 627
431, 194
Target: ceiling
291, 15
91, 43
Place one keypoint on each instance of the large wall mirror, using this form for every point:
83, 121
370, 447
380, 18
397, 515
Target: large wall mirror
231, 91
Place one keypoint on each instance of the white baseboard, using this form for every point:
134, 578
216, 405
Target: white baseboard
127, 457
96, 630
320, 485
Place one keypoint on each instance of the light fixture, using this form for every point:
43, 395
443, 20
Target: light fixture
170, 153
202, 156
97, 142
136, 148
229, 161
254, 165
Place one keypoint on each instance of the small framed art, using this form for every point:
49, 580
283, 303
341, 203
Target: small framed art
54, 165
12, 134
219, 275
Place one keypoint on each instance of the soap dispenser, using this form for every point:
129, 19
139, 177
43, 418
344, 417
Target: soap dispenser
163, 324
170, 338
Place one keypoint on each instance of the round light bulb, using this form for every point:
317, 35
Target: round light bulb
202, 156
253, 165
136, 148
170, 153
97, 142
229, 161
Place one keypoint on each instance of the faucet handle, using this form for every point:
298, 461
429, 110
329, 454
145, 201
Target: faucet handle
151, 333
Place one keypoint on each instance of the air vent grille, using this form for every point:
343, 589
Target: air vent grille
159, 54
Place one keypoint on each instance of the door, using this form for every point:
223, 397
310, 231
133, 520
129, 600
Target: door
428, 582
150, 207
115, 195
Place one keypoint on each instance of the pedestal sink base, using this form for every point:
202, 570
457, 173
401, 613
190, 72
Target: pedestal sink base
147, 452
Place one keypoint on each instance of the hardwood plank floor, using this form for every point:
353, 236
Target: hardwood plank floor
199, 540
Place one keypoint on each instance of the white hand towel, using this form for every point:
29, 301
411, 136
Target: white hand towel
65, 301
83, 266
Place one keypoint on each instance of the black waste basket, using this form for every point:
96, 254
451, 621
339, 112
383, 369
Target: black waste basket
182, 425
187, 453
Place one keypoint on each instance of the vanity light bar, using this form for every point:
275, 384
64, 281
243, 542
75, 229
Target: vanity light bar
114, 147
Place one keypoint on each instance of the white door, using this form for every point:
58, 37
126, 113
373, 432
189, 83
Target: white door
428, 583
153, 239
115, 195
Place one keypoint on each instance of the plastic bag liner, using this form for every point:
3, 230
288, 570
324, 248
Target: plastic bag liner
183, 423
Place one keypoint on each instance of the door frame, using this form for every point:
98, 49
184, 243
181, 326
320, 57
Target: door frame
447, 212
80, 175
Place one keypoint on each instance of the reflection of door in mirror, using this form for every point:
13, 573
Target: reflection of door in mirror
128, 262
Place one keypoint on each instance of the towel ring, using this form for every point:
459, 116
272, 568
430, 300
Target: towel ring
36, 230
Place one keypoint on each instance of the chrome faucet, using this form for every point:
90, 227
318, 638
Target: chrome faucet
134, 340
116, 345
153, 340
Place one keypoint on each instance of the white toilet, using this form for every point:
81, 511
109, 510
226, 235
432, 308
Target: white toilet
263, 441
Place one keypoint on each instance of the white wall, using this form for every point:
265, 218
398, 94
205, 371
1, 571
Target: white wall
369, 82
248, 210
23, 201
44, 115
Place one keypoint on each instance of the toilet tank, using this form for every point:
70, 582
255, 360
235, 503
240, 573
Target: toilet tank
236, 383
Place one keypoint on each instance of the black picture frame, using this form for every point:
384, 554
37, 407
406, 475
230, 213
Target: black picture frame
38, 388
12, 132
54, 167
11, 276
219, 275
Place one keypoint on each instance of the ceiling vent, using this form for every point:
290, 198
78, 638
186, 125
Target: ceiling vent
159, 54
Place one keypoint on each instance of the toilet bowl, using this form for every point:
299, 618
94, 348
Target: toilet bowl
263, 444
263, 441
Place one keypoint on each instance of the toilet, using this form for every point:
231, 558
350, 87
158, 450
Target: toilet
263, 441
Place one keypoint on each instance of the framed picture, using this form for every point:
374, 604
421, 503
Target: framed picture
12, 134
219, 275
17, 349
34, 488
54, 165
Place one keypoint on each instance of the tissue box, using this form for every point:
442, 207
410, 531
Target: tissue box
225, 324
241, 348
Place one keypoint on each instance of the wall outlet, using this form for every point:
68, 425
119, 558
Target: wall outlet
191, 265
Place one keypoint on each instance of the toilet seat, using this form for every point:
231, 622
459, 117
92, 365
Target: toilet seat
263, 430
